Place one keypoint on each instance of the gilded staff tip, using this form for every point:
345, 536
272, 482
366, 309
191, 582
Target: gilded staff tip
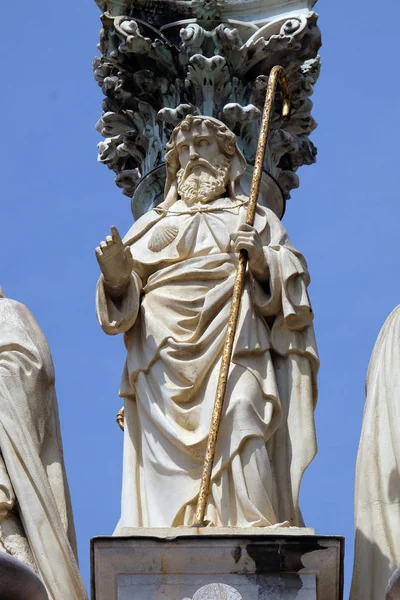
286, 112
121, 419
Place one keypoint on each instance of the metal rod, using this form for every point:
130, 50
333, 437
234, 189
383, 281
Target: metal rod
276, 74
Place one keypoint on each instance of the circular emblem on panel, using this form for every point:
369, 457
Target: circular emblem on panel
217, 591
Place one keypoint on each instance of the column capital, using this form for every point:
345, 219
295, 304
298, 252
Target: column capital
163, 59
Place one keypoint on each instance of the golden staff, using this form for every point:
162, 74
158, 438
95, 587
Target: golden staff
276, 74
120, 419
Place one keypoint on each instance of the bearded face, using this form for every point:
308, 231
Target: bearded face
201, 181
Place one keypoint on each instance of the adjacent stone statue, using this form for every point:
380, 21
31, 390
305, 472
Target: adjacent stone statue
377, 493
36, 522
167, 286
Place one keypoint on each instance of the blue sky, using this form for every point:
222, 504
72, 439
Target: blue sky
58, 203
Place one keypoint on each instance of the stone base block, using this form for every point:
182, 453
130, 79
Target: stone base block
200, 565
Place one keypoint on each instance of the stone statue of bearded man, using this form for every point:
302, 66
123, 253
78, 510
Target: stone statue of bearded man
168, 286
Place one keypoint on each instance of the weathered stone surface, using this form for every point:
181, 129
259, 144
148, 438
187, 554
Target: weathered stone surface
217, 591
230, 567
161, 60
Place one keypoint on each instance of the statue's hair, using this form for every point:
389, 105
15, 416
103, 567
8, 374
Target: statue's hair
226, 140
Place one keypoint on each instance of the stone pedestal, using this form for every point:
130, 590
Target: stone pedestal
288, 564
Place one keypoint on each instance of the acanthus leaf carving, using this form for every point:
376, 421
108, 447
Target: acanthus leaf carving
235, 114
207, 9
128, 180
133, 42
209, 82
114, 124
153, 77
192, 36
173, 116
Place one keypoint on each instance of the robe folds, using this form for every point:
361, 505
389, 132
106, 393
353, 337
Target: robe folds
377, 488
40, 529
174, 315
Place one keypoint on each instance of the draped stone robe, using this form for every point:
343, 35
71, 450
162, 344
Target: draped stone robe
40, 529
377, 488
174, 316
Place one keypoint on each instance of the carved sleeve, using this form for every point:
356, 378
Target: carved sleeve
118, 315
286, 295
7, 495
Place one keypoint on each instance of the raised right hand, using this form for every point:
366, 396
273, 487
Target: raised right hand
115, 261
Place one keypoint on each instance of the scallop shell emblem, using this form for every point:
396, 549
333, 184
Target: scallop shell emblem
162, 236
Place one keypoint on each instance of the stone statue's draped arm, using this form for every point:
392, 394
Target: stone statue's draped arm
31, 447
286, 306
118, 315
288, 279
7, 495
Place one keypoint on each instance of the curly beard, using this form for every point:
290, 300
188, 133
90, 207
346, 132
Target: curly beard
205, 186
